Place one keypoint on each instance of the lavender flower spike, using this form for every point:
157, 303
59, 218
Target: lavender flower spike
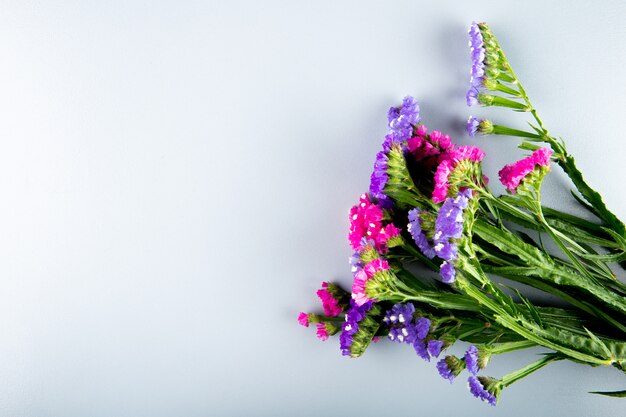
434, 347
405, 116
449, 367
415, 229
471, 359
379, 179
472, 126
478, 66
479, 391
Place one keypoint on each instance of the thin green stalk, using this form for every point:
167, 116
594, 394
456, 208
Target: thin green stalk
513, 377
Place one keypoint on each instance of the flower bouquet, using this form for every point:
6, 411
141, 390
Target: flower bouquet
430, 238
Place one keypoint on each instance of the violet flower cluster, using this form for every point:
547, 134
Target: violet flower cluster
448, 228
478, 66
404, 328
401, 120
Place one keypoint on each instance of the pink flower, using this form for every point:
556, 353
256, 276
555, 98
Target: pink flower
441, 140
361, 278
448, 163
366, 222
512, 175
421, 130
322, 332
440, 193
329, 303
303, 319
358, 287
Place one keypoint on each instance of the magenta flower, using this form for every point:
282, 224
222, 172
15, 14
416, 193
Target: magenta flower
512, 175
366, 225
365, 221
447, 165
303, 319
322, 332
361, 277
329, 303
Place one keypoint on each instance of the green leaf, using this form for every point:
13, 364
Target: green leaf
599, 343
614, 257
584, 203
545, 268
528, 146
618, 394
592, 196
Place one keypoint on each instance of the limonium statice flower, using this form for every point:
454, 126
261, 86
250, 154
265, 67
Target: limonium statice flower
355, 314
434, 347
477, 51
359, 329
355, 261
471, 359
415, 229
447, 166
303, 319
403, 118
403, 329
475, 125
400, 313
448, 227
329, 302
402, 122
450, 367
366, 222
379, 179
512, 175
361, 277
322, 332
325, 329
472, 125
479, 390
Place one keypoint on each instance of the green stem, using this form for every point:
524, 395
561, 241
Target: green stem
513, 377
510, 347
508, 131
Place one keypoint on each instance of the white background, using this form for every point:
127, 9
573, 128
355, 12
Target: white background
175, 179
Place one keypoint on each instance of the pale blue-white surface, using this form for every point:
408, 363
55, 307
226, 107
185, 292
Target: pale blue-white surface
175, 179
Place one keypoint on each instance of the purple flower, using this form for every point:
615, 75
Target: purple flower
423, 326
447, 272
449, 226
400, 317
403, 334
476, 38
449, 367
405, 116
400, 313
379, 179
471, 359
444, 370
472, 126
420, 348
434, 347
477, 53
449, 223
354, 315
415, 229
446, 251
355, 262
479, 391
393, 114
472, 96
395, 335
